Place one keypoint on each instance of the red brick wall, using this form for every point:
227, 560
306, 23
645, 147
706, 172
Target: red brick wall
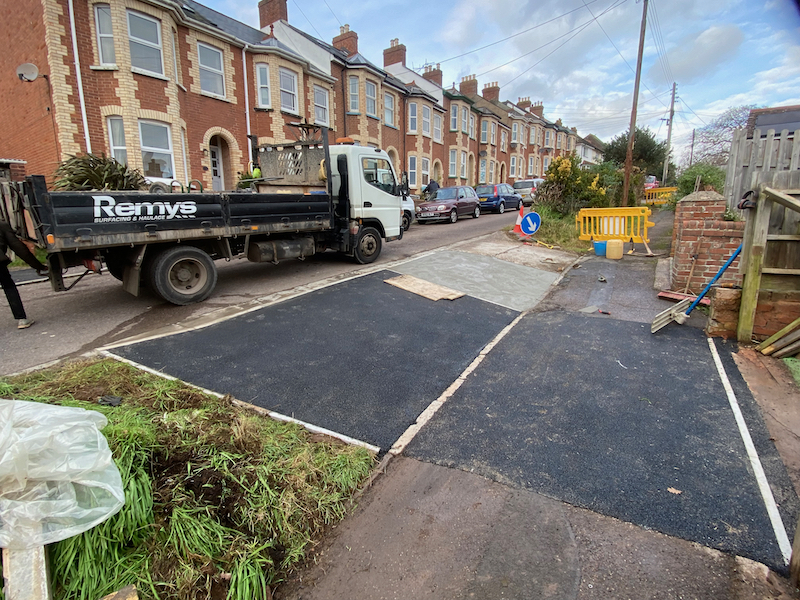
28, 132
774, 311
701, 230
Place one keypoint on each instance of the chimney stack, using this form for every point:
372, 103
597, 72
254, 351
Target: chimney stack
433, 75
346, 40
469, 85
395, 53
538, 110
524, 104
491, 92
270, 11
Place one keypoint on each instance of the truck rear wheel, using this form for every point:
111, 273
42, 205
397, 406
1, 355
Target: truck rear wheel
183, 275
368, 248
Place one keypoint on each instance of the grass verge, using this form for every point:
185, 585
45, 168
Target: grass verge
220, 502
560, 231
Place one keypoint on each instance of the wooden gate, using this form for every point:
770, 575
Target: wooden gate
771, 255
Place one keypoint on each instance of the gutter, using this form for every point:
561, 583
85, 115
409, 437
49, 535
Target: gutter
78, 77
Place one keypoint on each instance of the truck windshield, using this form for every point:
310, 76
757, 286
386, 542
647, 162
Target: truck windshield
378, 172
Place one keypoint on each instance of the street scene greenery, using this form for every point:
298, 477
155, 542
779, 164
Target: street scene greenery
97, 172
221, 502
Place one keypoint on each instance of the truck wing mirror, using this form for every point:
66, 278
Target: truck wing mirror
404, 189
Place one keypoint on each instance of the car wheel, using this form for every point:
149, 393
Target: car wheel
502, 208
183, 275
476, 213
406, 221
519, 204
453, 216
368, 248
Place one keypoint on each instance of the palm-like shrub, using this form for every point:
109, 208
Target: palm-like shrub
97, 172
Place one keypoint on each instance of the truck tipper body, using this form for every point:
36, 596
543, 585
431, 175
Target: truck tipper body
311, 197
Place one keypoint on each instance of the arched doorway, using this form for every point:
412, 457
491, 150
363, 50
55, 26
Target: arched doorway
437, 172
219, 157
502, 173
471, 172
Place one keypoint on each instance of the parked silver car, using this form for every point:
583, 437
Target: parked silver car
527, 189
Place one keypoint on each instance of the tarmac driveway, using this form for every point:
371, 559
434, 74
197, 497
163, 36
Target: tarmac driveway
604, 415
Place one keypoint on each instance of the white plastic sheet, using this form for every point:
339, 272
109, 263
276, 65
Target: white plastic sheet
57, 477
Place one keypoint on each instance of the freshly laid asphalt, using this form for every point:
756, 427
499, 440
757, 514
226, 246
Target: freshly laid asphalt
604, 415
361, 358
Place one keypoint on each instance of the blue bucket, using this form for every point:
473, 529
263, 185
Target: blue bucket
600, 248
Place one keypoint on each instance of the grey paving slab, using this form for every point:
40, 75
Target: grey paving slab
602, 414
361, 358
493, 280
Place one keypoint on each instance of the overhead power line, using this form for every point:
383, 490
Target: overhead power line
333, 13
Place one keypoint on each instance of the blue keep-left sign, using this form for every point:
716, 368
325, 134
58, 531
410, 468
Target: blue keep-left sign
531, 223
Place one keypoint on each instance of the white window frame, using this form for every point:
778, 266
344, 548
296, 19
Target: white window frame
145, 148
530, 165
426, 120
372, 99
437, 128
494, 133
512, 172
472, 126
103, 35
491, 171
545, 164
212, 70
453, 163
484, 131
425, 170
412, 117
454, 117
548, 138
388, 109
318, 89
115, 145
504, 141
559, 140
463, 164
412, 171
514, 132
353, 94
482, 172
142, 42
262, 85
465, 119
294, 93
533, 135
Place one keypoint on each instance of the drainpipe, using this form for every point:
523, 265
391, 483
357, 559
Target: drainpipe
246, 98
78, 77
345, 104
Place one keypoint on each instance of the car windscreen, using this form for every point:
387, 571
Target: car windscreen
485, 190
446, 194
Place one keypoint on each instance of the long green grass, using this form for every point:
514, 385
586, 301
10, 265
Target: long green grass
220, 501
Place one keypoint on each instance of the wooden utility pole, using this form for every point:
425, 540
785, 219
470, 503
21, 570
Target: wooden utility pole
669, 135
632, 130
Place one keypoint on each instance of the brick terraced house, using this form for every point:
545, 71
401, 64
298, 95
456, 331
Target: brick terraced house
178, 91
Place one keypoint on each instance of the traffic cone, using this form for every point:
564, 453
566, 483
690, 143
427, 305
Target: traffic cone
517, 227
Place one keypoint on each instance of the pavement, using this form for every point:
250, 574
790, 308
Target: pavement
530, 445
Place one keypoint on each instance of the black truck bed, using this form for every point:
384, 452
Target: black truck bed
77, 220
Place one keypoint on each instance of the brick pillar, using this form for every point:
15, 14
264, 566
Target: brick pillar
346, 40
524, 104
395, 53
270, 11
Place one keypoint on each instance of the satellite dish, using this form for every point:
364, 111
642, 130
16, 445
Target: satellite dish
27, 72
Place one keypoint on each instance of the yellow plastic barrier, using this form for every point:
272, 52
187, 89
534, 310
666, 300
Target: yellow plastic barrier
628, 224
659, 195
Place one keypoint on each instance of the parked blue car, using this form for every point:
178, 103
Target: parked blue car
498, 197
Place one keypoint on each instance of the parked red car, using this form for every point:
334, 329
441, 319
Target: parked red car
651, 182
448, 204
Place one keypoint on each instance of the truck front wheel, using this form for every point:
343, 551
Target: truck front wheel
183, 275
368, 247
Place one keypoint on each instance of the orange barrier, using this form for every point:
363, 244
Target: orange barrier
628, 224
659, 195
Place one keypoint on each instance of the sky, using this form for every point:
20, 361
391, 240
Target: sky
578, 57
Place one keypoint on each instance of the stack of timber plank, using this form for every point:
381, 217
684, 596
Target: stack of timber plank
784, 343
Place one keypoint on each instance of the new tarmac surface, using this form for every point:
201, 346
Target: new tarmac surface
577, 430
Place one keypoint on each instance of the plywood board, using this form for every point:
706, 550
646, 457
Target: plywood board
423, 288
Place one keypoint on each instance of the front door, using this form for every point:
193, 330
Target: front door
217, 177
